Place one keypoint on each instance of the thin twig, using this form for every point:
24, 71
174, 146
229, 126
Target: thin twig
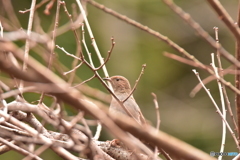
90, 55
54, 34
52, 43
184, 60
98, 131
79, 48
1, 30
223, 106
69, 54
165, 154
157, 110
228, 70
29, 30
85, 81
85, 46
108, 56
36, 7
136, 83
74, 69
48, 7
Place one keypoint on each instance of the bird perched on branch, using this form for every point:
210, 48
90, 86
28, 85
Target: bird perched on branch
122, 90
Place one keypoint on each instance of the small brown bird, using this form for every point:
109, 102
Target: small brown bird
122, 89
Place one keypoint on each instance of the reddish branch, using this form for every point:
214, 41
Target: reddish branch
237, 78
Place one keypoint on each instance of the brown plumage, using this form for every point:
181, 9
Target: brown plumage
122, 89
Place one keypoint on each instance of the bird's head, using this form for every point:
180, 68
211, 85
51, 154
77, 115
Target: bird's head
120, 84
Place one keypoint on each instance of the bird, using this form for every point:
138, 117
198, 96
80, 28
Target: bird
122, 90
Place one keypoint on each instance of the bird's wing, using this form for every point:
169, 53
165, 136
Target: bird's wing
134, 109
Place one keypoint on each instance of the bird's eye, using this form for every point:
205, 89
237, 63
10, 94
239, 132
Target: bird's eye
117, 79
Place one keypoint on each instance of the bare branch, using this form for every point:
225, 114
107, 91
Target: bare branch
48, 7
109, 55
30, 21
165, 39
225, 17
74, 69
186, 17
136, 83
92, 37
49, 64
19, 149
185, 61
237, 77
1, 30
85, 81
217, 108
222, 104
36, 7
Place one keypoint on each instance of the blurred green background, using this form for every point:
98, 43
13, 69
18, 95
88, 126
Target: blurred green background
192, 120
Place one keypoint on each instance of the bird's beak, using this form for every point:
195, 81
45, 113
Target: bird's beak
107, 79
